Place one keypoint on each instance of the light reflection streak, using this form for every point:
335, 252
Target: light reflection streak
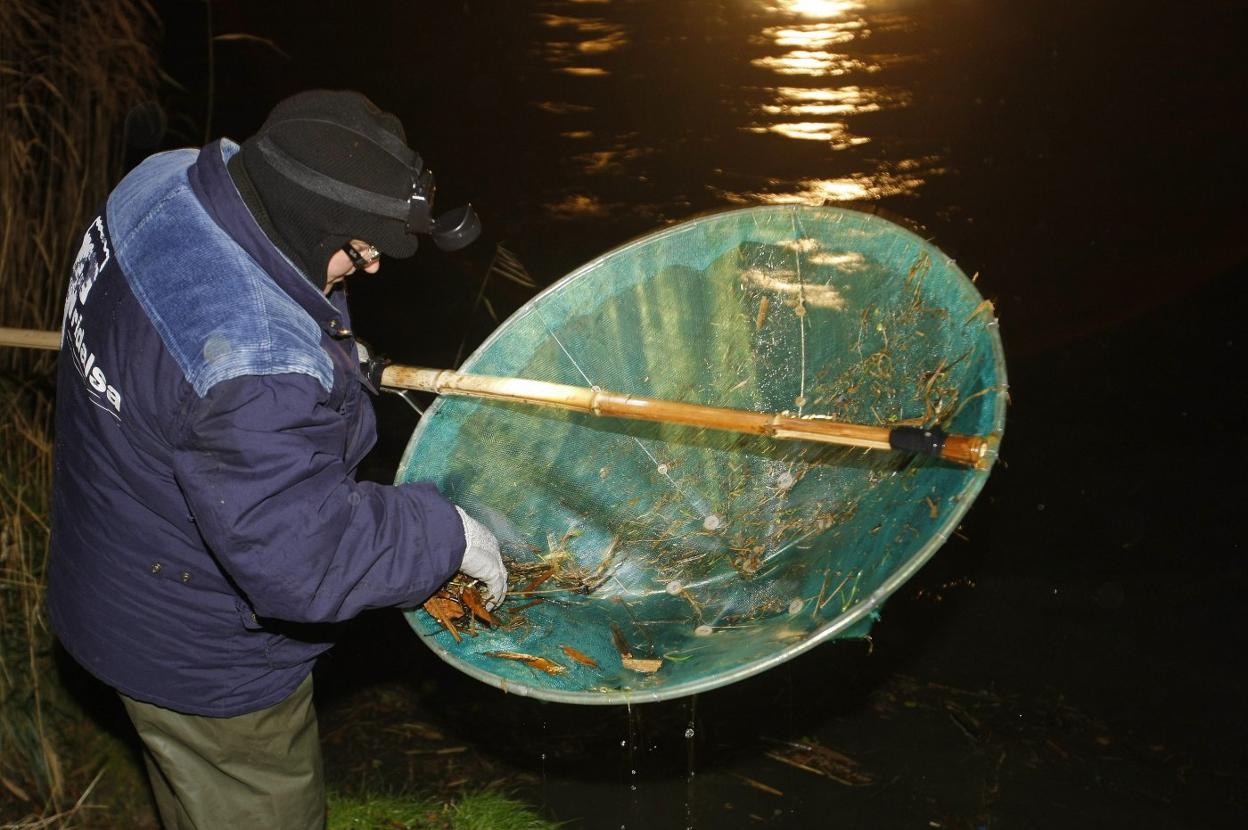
815, 35
598, 161
805, 103
847, 100
562, 107
578, 206
818, 109
815, 63
807, 40
607, 43
821, 39
904, 178
612, 160
586, 25
597, 37
816, 8
810, 130
835, 133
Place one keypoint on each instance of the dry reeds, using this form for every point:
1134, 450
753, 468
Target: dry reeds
69, 73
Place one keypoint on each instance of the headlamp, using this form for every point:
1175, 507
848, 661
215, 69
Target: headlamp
452, 230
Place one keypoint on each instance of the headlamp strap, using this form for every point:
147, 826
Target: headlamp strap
390, 143
331, 188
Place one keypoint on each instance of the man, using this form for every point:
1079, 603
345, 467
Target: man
207, 525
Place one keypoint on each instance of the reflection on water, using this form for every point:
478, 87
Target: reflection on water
833, 133
798, 102
887, 180
806, 46
816, 8
814, 63
848, 100
827, 75
814, 35
584, 71
608, 161
590, 36
578, 207
562, 107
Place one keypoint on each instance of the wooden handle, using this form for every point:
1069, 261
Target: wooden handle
30, 338
971, 450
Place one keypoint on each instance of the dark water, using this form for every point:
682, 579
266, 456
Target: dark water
1075, 657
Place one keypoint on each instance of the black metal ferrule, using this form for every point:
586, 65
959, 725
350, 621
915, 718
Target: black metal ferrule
372, 373
372, 365
923, 440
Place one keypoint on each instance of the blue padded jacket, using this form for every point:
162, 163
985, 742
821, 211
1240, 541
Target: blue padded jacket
207, 528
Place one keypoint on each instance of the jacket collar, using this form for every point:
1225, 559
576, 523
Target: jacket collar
215, 190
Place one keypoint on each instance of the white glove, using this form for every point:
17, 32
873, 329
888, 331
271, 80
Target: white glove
482, 560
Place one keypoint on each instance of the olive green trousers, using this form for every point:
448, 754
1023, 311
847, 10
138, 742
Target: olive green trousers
253, 771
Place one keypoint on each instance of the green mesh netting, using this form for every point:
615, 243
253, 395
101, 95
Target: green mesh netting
677, 559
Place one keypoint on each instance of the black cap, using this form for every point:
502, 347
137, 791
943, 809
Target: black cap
329, 166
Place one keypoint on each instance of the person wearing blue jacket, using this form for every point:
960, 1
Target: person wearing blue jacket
207, 526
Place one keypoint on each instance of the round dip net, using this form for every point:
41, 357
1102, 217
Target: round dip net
650, 561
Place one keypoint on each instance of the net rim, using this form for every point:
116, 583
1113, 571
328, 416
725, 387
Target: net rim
857, 613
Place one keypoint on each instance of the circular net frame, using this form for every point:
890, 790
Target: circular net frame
650, 561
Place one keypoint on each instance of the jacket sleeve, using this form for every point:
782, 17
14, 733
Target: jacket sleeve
261, 465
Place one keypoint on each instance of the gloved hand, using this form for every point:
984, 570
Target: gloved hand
482, 560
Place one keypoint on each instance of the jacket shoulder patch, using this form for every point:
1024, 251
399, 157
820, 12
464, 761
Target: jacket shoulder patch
218, 313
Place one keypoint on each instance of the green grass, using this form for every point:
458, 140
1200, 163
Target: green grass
483, 810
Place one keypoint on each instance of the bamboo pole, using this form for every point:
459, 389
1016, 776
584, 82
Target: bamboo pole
970, 450
30, 338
